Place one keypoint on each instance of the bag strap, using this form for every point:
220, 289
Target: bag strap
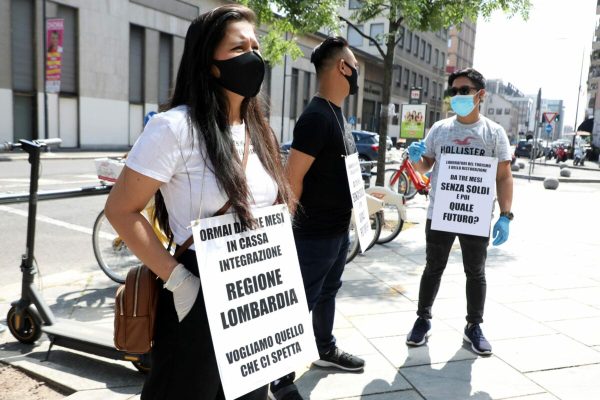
227, 204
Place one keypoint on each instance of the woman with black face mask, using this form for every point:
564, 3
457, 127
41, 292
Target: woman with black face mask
210, 151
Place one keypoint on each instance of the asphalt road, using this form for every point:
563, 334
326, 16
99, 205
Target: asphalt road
63, 234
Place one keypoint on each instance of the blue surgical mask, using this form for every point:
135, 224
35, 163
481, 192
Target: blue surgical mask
462, 105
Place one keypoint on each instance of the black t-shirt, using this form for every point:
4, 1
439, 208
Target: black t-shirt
325, 205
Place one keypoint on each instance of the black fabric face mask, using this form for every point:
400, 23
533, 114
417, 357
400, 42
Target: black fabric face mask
352, 79
242, 74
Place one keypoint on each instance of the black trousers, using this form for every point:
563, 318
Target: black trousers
474, 254
184, 366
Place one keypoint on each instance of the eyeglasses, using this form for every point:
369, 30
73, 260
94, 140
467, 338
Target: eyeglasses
463, 90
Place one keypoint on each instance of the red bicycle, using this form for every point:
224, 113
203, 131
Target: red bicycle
406, 180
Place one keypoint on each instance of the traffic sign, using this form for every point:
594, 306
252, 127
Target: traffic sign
549, 116
548, 128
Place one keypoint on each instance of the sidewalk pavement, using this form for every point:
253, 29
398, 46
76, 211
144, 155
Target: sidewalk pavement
542, 316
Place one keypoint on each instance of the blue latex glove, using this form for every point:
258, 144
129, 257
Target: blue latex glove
416, 150
148, 116
500, 232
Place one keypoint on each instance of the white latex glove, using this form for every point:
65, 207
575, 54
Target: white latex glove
185, 287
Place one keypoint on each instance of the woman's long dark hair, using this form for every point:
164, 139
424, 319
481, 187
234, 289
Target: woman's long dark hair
196, 88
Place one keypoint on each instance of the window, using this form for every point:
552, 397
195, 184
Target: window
507, 111
426, 89
420, 81
354, 4
423, 49
68, 73
306, 89
440, 91
414, 79
136, 64
22, 69
406, 78
443, 60
408, 40
498, 111
434, 94
396, 111
416, 45
399, 76
294, 94
165, 72
354, 38
490, 111
376, 30
436, 59
402, 31
428, 54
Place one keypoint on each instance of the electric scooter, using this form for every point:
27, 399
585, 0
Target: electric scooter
30, 316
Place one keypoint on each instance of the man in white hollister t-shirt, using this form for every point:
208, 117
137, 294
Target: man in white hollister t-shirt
473, 135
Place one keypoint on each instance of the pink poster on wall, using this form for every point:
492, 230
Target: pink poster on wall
54, 41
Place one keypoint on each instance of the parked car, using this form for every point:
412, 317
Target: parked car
367, 145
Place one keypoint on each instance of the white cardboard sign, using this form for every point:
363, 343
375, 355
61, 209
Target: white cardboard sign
359, 201
464, 194
255, 301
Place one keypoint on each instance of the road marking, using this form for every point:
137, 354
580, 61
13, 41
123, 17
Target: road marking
56, 222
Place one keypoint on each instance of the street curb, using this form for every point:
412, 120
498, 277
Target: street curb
52, 383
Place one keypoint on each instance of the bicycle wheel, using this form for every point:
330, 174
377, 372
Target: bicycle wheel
392, 223
376, 226
113, 256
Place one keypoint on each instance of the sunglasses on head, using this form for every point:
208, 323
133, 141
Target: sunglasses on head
463, 90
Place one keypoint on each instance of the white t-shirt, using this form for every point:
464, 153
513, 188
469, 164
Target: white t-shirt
483, 138
169, 151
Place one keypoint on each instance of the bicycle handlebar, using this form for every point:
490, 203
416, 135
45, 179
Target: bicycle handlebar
9, 146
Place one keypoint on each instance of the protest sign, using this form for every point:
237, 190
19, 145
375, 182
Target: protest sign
464, 194
360, 210
255, 301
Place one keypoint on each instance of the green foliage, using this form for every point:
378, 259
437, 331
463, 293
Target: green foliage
294, 18
432, 15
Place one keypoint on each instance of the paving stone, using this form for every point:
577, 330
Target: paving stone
355, 273
544, 353
123, 393
520, 292
404, 395
480, 378
364, 288
352, 341
577, 383
389, 324
564, 281
554, 309
364, 305
585, 330
442, 346
379, 376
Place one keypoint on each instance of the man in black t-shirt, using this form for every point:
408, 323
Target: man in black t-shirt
317, 173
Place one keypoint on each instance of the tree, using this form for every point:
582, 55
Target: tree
418, 15
288, 19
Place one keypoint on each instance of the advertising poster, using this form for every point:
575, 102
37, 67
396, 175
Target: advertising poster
412, 125
54, 40
255, 300
464, 194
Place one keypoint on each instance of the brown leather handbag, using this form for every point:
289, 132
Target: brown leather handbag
135, 308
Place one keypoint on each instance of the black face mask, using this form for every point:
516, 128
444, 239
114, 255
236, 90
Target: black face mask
242, 74
352, 79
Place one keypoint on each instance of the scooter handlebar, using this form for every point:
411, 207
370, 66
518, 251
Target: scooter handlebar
50, 142
8, 146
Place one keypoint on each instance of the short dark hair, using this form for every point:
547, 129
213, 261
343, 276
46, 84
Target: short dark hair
470, 73
328, 49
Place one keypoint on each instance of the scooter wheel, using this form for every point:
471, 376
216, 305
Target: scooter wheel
27, 327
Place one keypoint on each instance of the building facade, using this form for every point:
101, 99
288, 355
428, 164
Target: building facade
593, 104
500, 110
120, 59
461, 46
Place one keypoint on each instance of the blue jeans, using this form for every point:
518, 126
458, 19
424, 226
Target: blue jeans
322, 263
474, 254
